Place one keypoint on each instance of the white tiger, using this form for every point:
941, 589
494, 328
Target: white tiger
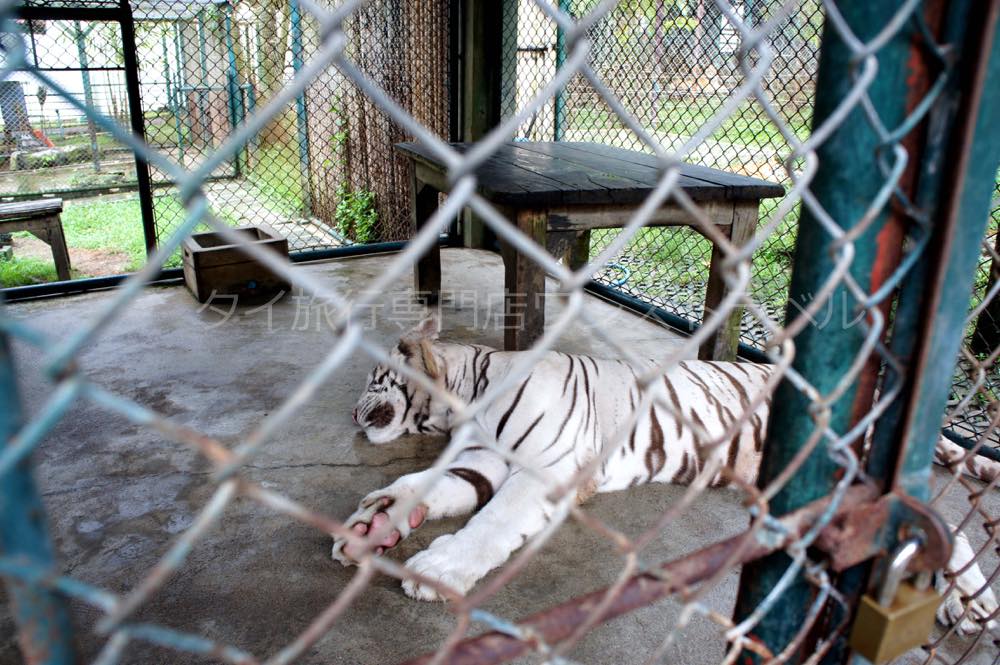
533, 420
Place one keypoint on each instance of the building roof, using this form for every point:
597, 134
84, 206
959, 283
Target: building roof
171, 10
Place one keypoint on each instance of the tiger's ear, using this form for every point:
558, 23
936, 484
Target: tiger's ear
428, 329
428, 359
420, 355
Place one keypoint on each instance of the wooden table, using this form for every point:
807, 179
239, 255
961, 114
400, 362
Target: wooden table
558, 192
40, 218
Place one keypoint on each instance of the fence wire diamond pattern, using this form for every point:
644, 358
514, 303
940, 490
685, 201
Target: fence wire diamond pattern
753, 54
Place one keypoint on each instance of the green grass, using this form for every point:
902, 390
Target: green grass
104, 141
113, 225
747, 125
662, 259
21, 271
276, 175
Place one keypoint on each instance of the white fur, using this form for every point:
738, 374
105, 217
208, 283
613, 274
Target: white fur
540, 420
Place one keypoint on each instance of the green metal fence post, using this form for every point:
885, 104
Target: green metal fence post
181, 103
847, 181
960, 226
44, 630
203, 116
559, 112
954, 25
232, 83
301, 112
80, 36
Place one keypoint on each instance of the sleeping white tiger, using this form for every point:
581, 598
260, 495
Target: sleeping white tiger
558, 419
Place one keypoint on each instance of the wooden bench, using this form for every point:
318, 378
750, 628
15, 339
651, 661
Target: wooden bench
557, 193
41, 219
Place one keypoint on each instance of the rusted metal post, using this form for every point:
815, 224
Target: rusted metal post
847, 181
960, 224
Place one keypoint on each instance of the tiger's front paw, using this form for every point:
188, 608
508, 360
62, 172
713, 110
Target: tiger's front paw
442, 563
374, 513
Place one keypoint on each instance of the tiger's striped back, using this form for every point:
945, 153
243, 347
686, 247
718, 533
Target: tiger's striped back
570, 408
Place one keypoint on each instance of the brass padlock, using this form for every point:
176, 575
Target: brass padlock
901, 617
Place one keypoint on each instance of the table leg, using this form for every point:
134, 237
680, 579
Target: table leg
524, 281
724, 343
581, 251
427, 270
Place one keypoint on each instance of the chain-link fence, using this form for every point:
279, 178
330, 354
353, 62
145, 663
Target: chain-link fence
673, 66
830, 472
51, 149
323, 173
976, 378
971, 424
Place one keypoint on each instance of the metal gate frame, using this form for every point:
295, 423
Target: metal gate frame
122, 15
956, 168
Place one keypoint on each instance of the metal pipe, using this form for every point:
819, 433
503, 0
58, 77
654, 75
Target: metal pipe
138, 123
301, 112
679, 323
42, 617
847, 180
175, 276
965, 210
967, 443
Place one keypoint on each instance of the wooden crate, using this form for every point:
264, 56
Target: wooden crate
211, 264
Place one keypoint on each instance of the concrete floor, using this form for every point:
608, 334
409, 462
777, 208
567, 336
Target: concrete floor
118, 494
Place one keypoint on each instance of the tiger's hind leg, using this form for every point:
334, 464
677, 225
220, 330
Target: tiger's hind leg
467, 485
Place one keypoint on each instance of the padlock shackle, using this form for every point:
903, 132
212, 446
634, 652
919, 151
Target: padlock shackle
901, 558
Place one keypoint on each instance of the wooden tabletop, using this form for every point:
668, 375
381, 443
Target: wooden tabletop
29, 209
563, 173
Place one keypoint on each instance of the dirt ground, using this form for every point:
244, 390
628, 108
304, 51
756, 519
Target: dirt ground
84, 262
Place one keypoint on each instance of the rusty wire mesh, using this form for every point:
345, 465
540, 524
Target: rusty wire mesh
754, 52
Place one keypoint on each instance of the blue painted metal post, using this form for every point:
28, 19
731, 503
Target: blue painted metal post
559, 112
204, 120
301, 112
180, 92
847, 181
44, 630
233, 84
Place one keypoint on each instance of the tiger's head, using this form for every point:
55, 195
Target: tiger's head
392, 405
